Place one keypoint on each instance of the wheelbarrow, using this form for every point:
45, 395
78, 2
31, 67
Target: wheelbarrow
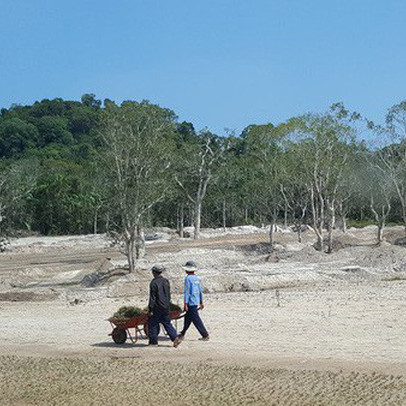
121, 327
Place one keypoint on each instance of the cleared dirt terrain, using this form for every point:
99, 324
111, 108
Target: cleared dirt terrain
291, 327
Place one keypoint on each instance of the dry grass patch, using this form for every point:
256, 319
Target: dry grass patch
68, 381
27, 296
395, 278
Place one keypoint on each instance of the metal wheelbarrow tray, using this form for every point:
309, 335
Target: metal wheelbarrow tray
121, 326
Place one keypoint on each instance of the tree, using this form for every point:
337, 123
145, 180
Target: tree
263, 158
228, 191
196, 162
378, 189
138, 141
294, 186
17, 184
54, 130
326, 144
46, 107
392, 158
89, 100
349, 195
82, 120
16, 136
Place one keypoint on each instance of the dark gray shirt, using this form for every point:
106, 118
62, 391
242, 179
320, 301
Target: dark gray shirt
159, 295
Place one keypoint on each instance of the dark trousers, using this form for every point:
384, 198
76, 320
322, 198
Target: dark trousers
160, 317
192, 316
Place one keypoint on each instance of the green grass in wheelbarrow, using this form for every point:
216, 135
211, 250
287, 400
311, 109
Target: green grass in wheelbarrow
127, 312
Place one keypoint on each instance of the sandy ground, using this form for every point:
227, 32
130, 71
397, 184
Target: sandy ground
302, 328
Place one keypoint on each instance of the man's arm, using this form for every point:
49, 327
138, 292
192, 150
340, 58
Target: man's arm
152, 296
168, 287
201, 295
186, 294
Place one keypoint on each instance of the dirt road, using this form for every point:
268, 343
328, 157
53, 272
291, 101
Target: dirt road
68, 259
337, 344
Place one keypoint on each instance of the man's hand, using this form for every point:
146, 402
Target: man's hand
185, 307
201, 306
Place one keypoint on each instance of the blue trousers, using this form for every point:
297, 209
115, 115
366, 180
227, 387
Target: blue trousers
192, 316
159, 317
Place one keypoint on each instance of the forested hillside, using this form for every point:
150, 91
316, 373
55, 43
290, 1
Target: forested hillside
91, 166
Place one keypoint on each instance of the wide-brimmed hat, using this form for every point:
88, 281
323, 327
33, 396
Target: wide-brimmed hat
190, 266
158, 268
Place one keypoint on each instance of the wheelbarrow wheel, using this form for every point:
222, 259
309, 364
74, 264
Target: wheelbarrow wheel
119, 335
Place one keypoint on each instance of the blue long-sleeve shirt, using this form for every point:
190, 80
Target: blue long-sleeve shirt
193, 290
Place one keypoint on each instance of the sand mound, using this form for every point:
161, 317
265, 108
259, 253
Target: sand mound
341, 241
74, 242
216, 232
29, 296
385, 257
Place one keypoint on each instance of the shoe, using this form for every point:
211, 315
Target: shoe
207, 338
177, 342
181, 337
152, 345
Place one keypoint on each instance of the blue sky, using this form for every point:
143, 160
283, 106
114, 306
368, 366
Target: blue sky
220, 64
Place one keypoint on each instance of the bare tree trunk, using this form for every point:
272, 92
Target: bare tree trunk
404, 216
318, 214
343, 216
139, 243
198, 206
285, 217
330, 238
299, 223
107, 224
320, 241
95, 222
272, 228
131, 256
1, 215
330, 226
197, 219
299, 233
192, 218
321, 226
224, 215
181, 220
344, 220
381, 226
380, 217
177, 220
401, 195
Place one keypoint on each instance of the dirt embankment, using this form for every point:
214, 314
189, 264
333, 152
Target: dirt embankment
74, 271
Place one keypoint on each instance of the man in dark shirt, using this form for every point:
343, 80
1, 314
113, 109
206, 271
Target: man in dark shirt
159, 307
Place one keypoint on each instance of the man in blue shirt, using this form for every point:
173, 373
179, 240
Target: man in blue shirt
193, 298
